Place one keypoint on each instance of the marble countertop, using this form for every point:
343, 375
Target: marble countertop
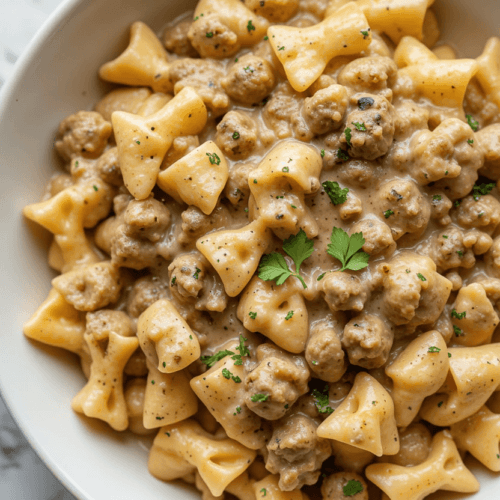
23, 476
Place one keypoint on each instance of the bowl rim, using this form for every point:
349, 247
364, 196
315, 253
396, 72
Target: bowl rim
61, 13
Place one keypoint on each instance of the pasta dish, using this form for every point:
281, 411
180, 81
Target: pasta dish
278, 246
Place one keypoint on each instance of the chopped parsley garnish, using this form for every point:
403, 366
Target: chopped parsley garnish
320, 277
359, 126
480, 214
421, 277
455, 314
433, 348
250, 26
248, 68
449, 354
445, 236
95, 188
164, 364
273, 266
458, 331
263, 491
209, 34
456, 203
470, 141
474, 124
255, 181
440, 404
167, 433
259, 398
365, 33
322, 400
482, 189
460, 253
137, 142
237, 358
342, 155
437, 197
228, 375
347, 249
388, 213
238, 409
408, 271
196, 275
266, 38
236, 136
336, 194
322, 153
214, 158
152, 382
289, 315
314, 362
281, 48
348, 136
285, 169
252, 314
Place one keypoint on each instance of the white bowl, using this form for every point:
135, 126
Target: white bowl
57, 76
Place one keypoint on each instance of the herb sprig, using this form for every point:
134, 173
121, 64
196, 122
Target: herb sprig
347, 249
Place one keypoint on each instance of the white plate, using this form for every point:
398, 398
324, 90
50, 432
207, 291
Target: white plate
55, 77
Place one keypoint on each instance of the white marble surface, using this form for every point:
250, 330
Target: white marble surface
23, 476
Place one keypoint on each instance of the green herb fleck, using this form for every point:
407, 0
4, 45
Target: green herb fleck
236, 136
320, 277
250, 26
359, 126
174, 279
167, 433
281, 48
388, 213
458, 331
445, 236
263, 491
209, 34
289, 315
482, 189
273, 266
460, 253
365, 33
449, 354
474, 125
285, 169
440, 404
342, 155
322, 153
470, 141
164, 364
95, 188
455, 314
437, 197
336, 194
252, 314
347, 249
348, 136
421, 277
266, 38
255, 181
196, 275
152, 382
211, 360
408, 271
214, 158
480, 214
137, 142
259, 398
433, 348
352, 488
322, 400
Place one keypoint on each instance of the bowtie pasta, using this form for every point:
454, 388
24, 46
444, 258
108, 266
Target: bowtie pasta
279, 251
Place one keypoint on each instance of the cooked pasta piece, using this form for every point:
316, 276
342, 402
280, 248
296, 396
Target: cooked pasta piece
182, 448
365, 419
443, 470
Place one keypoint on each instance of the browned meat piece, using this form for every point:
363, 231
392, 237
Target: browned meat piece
145, 292
84, 134
176, 40
280, 376
101, 323
211, 38
488, 139
90, 287
296, 452
344, 291
205, 77
333, 486
367, 340
448, 251
371, 127
325, 110
237, 135
370, 74
481, 213
249, 80
195, 223
108, 167
377, 235
403, 207
324, 353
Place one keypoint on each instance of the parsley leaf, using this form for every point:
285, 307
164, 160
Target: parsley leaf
342, 155
437, 197
348, 136
273, 267
244, 351
252, 314
227, 374
289, 315
352, 488
482, 189
359, 126
250, 26
365, 33
474, 124
455, 314
259, 398
421, 277
236, 136
347, 249
322, 400
335, 192
211, 360
433, 348
214, 158
209, 34
458, 331
264, 492
388, 213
